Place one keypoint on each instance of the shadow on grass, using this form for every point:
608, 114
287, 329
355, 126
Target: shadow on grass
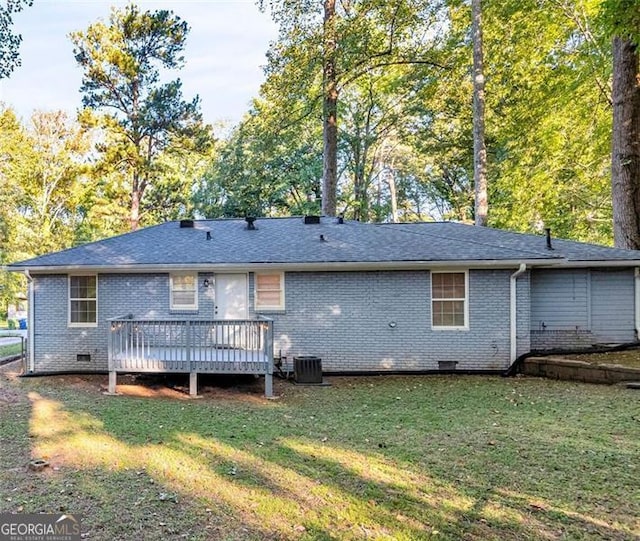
258, 481
470, 509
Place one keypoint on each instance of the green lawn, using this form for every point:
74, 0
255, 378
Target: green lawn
469, 458
10, 350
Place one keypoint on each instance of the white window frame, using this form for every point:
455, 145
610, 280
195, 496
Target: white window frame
183, 307
81, 324
270, 308
464, 327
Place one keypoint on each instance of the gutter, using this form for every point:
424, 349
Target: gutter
30, 320
513, 307
250, 266
599, 263
636, 283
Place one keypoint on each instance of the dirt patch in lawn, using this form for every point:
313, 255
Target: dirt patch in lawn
176, 387
8, 394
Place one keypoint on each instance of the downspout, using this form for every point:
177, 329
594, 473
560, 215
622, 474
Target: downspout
636, 281
513, 354
30, 320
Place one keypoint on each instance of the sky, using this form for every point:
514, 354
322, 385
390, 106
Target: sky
225, 54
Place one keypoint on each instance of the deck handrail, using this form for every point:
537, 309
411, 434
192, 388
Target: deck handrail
178, 318
188, 345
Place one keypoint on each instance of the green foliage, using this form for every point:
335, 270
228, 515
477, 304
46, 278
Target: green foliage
404, 118
10, 42
378, 48
261, 171
405, 147
549, 118
622, 18
54, 183
46, 183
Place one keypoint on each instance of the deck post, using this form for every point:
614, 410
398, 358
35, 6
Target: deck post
268, 385
112, 381
268, 376
111, 361
193, 383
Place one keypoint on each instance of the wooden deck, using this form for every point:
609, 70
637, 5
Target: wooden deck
192, 346
182, 359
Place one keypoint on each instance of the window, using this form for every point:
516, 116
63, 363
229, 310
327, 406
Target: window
270, 291
83, 301
184, 291
449, 300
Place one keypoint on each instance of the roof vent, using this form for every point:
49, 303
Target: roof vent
250, 222
186, 224
312, 219
208, 235
340, 220
548, 232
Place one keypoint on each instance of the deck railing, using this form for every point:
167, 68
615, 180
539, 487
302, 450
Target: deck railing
191, 345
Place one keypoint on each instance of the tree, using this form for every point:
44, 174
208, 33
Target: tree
329, 110
548, 117
10, 42
264, 168
624, 22
14, 147
143, 117
325, 48
54, 184
479, 147
45, 187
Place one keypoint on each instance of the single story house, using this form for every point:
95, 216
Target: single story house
215, 296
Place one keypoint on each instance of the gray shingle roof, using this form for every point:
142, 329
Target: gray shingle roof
290, 241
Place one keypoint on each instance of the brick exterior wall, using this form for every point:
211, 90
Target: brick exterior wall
142, 295
342, 317
550, 339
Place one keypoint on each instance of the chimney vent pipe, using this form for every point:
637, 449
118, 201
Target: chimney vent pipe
548, 233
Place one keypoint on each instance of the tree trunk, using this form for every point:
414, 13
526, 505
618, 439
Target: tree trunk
625, 156
330, 112
393, 196
479, 148
134, 217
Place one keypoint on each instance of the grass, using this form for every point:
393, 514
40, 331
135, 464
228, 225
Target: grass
405, 458
629, 358
10, 350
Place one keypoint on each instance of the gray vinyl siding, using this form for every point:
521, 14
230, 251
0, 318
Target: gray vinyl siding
612, 305
560, 300
342, 317
577, 308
